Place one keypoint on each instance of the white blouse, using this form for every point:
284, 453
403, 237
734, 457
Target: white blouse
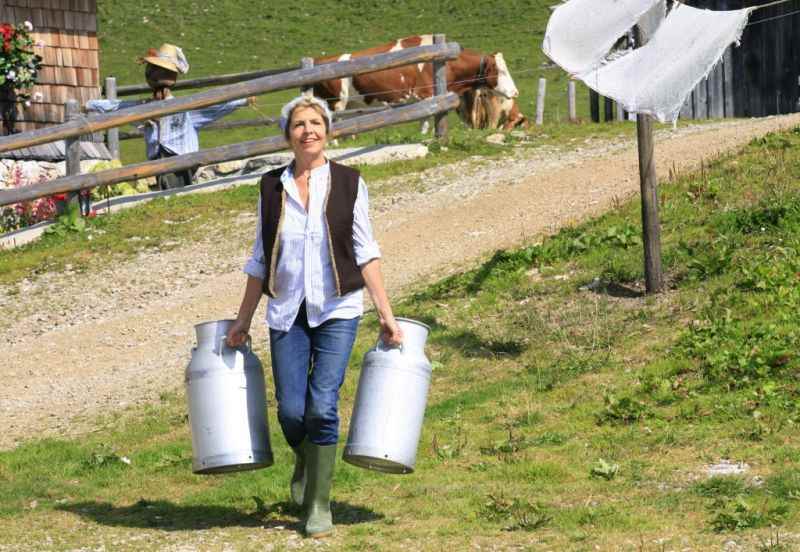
303, 270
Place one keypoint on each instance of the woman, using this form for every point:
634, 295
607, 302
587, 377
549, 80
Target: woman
314, 254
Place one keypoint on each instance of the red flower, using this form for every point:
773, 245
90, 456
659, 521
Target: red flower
7, 31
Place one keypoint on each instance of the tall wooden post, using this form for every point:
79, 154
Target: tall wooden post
651, 227
112, 134
307, 63
573, 108
594, 106
440, 89
540, 101
608, 110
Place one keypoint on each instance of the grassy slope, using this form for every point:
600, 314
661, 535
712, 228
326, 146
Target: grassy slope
227, 36
575, 420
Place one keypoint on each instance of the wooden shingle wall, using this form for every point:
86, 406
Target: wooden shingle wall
67, 30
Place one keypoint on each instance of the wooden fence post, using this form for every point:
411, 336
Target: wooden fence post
651, 227
440, 89
112, 134
307, 63
573, 106
540, 101
608, 109
72, 156
594, 105
620, 112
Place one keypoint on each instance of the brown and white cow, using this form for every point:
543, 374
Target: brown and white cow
482, 108
471, 70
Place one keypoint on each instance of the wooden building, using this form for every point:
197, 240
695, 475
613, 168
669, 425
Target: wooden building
67, 30
761, 76
66, 35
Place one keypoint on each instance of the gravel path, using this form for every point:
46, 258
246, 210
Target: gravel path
75, 344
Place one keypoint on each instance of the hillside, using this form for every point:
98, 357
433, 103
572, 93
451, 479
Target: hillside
566, 412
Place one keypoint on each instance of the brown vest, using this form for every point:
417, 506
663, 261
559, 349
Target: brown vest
339, 206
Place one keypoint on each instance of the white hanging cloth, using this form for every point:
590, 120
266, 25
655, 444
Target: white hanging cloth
581, 33
657, 78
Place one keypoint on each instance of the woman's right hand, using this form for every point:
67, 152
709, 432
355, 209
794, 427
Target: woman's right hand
237, 333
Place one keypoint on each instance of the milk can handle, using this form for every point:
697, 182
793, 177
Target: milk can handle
381, 346
223, 343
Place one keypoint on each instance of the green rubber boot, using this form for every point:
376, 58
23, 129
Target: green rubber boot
319, 470
298, 485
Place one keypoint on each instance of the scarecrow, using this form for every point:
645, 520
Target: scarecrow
173, 134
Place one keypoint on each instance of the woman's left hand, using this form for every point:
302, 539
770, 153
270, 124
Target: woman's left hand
391, 334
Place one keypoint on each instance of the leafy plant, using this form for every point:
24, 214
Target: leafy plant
524, 515
604, 470
19, 65
456, 441
104, 457
70, 221
733, 514
623, 410
508, 447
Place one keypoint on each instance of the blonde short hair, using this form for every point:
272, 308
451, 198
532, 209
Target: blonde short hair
303, 101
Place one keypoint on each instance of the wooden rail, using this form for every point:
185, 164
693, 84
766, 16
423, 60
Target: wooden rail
293, 79
412, 112
266, 121
204, 82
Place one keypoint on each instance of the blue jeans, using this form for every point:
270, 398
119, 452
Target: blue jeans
308, 366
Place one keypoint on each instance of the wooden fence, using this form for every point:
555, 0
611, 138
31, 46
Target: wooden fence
89, 124
264, 121
83, 124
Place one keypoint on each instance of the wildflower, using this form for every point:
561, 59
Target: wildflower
27, 103
11, 75
28, 26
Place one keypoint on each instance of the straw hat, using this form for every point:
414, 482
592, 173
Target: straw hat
169, 57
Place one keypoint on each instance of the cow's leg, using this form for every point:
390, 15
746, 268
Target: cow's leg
425, 127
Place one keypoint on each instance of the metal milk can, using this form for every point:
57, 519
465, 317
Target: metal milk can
227, 404
390, 404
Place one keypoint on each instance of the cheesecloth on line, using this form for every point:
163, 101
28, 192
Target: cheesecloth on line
657, 78
581, 33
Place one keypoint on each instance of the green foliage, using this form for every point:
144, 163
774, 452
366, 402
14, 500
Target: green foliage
507, 448
524, 515
785, 485
737, 513
707, 259
622, 410
736, 355
120, 189
604, 470
19, 65
720, 486
70, 221
452, 441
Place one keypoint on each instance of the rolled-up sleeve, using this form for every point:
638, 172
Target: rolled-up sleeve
255, 265
364, 245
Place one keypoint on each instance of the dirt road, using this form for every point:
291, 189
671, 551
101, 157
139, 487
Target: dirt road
77, 344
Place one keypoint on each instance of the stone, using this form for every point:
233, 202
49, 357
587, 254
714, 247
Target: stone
497, 139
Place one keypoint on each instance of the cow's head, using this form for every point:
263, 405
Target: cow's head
499, 77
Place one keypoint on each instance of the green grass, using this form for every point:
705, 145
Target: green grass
574, 419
